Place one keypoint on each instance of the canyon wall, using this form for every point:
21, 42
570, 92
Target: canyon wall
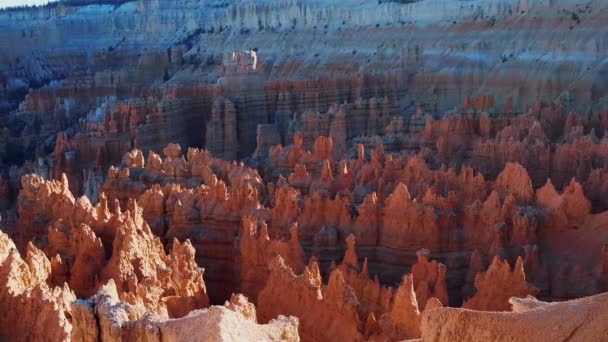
274, 60
316, 170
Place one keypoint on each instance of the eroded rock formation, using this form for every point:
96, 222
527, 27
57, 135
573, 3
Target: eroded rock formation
497, 285
371, 169
138, 292
582, 319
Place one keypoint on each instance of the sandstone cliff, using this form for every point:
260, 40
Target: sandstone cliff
371, 169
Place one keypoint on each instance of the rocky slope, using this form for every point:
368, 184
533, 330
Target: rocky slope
121, 285
146, 73
335, 170
275, 233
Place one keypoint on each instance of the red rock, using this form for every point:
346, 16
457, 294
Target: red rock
134, 159
258, 251
403, 320
445, 170
80, 248
300, 178
350, 257
429, 280
497, 285
514, 180
38, 310
569, 208
326, 312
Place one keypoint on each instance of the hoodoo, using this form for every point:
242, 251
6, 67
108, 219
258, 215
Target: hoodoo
320, 170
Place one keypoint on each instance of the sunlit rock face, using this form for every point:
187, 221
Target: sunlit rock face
274, 59
103, 275
304, 170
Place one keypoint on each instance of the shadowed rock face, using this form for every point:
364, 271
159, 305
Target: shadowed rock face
336, 170
176, 63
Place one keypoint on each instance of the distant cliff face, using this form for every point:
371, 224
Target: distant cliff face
65, 67
442, 51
